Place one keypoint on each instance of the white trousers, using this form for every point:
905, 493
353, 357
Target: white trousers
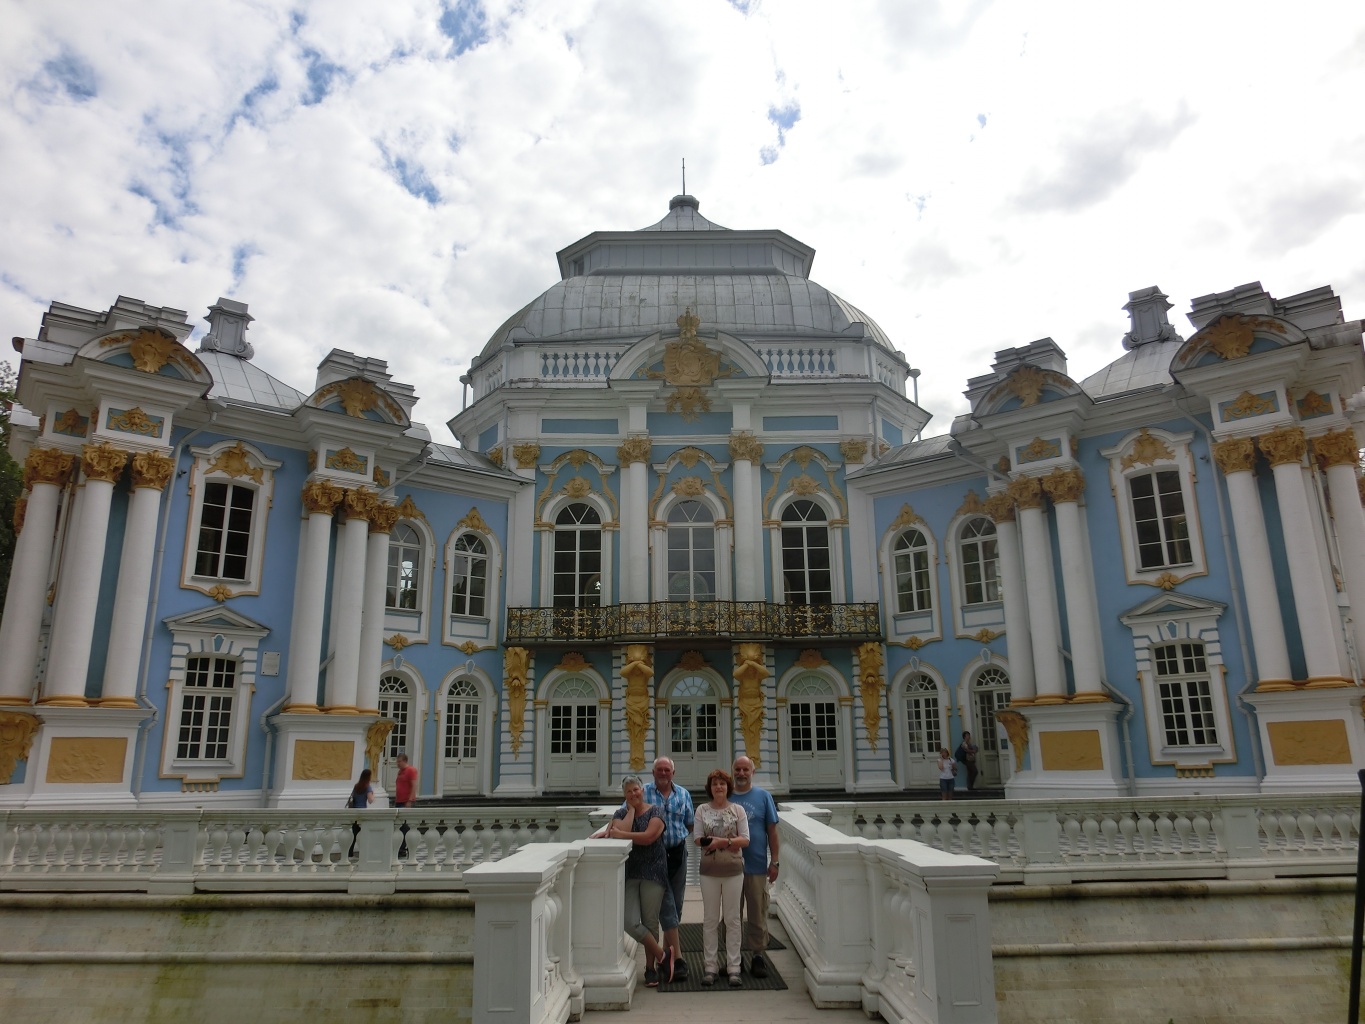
721, 896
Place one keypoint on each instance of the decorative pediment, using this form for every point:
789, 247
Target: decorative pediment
1026, 387
215, 619
1234, 336
358, 398
148, 350
1171, 605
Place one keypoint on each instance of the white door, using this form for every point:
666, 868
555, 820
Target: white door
923, 732
395, 702
813, 733
461, 744
571, 761
991, 693
693, 731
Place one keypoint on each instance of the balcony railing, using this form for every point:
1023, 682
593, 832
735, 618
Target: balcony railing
689, 620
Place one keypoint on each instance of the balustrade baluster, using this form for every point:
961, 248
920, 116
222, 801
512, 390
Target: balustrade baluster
1203, 831
255, 848
1184, 829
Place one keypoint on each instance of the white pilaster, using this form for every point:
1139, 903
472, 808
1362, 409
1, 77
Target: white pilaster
1078, 578
1253, 557
1349, 518
1014, 590
749, 578
372, 610
305, 637
635, 532
352, 545
1045, 628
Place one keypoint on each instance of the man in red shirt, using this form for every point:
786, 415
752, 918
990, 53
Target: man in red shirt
405, 786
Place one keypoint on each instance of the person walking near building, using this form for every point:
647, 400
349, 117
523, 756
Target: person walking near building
947, 774
966, 753
760, 861
405, 785
678, 812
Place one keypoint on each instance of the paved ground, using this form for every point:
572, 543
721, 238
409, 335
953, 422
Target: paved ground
794, 1004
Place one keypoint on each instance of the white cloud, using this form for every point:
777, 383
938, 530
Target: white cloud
396, 178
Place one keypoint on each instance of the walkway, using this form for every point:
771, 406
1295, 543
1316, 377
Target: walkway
653, 1007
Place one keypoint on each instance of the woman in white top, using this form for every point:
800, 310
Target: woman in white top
721, 829
947, 774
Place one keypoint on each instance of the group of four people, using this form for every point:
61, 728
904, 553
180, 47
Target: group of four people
735, 836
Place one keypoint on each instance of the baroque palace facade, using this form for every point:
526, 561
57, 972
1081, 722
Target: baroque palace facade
690, 513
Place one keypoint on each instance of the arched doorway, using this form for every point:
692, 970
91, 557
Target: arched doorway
571, 760
395, 702
813, 733
460, 768
922, 730
692, 730
990, 693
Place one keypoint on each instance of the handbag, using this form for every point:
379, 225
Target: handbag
721, 863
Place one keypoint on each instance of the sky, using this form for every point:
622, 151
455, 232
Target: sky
394, 178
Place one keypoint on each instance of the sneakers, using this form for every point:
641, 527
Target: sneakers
735, 981
758, 967
651, 977
666, 968
679, 969
708, 979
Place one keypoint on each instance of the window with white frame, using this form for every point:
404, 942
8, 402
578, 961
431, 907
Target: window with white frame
691, 552
979, 560
214, 656
806, 563
923, 720
1179, 661
231, 488
1153, 477
909, 579
910, 556
472, 574
990, 693
407, 584
577, 557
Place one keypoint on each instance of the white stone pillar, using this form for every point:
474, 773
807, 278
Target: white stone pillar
78, 588
352, 548
382, 520
46, 471
521, 524
1045, 627
746, 453
1338, 451
1065, 487
151, 473
1235, 458
320, 498
1014, 590
634, 459
1285, 449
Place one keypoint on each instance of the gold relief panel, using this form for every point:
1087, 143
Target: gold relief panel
17, 731
690, 456
689, 487
407, 509
1027, 383
573, 661
103, 462
1313, 405
312, 461
1026, 492
804, 484
238, 462
1146, 450
375, 736
71, 424
689, 403
1038, 450
971, 505
811, 658
151, 349
1246, 405
634, 449
853, 450
691, 661
87, 759
134, 421
47, 466
1309, 743
381, 479
577, 487
151, 469
474, 521
1016, 728
1231, 336
1236, 455
526, 454
1000, 507
1071, 750
1337, 448
516, 663
1284, 446
494, 455
906, 517
347, 461
1064, 485
323, 760
357, 397
745, 446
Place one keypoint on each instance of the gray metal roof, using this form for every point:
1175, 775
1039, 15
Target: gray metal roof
683, 215
238, 380
1145, 366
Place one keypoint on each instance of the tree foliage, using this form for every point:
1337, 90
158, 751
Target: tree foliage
11, 481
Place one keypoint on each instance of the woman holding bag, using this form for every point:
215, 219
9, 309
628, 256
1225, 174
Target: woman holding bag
721, 829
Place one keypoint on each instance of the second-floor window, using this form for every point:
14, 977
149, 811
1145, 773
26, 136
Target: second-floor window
691, 552
914, 589
980, 560
806, 567
1159, 519
225, 531
468, 576
577, 570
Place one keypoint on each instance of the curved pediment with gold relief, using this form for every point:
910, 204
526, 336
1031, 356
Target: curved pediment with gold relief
1025, 387
148, 350
1234, 336
360, 399
690, 357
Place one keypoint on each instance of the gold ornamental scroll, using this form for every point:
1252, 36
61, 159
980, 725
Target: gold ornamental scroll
516, 662
870, 686
637, 670
750, 671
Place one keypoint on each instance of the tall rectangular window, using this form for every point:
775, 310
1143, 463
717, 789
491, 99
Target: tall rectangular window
1163, 532
206, 709
1183, 686
225, 531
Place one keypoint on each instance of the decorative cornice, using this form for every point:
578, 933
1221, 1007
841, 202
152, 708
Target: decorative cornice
152, 469
47, 466
634, 449
103, 461
1283, 446
1000, 507
526, 454
744, 446
150, 349
1231, 335
1025, 492
321, 496
1337, 448
1027, 382
1064, 485
1235, 455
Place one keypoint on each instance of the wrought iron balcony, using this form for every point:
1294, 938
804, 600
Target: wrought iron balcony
695, 620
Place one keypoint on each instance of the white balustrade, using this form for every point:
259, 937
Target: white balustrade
565, 365
800, 360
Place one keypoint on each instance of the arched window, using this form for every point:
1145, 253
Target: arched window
991, 690
923, 723
395, 703
914, 587
468, 575
691, 552
462, 721
806, 574
979, 557
405, 569
577, 571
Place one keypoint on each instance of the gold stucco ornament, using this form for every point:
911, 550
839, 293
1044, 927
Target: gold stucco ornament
750, 671
637, 670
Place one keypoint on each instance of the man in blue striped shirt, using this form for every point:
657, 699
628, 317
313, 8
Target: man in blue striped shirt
676, 805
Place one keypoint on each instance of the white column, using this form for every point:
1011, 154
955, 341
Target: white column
1317, 620
382, 521
78, 589
1339, 452
521, 529
46, 470
1235, 458
1087, 656
1045, 628
634, 458
305, 634
352, 548
1014, 590
746, 451
151, 473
